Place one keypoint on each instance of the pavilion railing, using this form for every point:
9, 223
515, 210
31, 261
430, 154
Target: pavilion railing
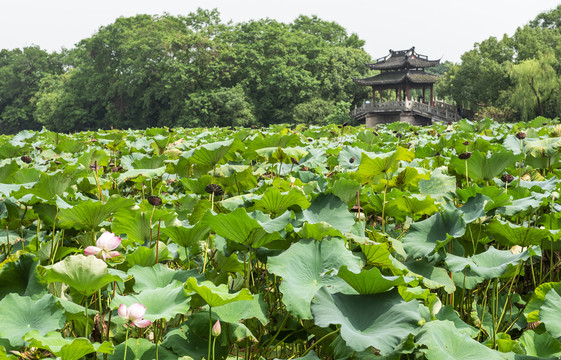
440, 110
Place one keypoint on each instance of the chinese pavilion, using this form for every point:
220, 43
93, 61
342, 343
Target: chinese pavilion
403, 71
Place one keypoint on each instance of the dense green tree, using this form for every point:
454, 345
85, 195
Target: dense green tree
21, 71
537, 87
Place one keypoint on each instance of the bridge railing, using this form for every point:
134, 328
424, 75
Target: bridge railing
439, 109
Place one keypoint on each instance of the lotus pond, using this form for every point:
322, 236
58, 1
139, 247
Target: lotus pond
399, 242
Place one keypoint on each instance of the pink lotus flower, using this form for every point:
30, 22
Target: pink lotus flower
134, 314
106, 242
216, 329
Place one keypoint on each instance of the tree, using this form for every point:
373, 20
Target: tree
537, 87
21, 71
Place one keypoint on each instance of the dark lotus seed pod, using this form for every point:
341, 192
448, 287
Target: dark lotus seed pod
294, 161
26, 159
39, 148
398, 135
376, 133
466, 143
305, 168
58, 162
94, 167
416, 133
356, 208
254, 126
345, 124
115, 169
521, 135
214, 189
154, 200
310, 139
352, 160
437, 154
332, 132
465, 156
507, 178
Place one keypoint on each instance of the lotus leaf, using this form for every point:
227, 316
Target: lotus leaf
380, 320
21, 314
306, 267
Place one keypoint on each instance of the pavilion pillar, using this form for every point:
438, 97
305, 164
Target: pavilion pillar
407, 92
424, 99
431, 95
399, 97
381, 94
373, 94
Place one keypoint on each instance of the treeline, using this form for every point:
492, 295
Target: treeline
194, 70
514, 78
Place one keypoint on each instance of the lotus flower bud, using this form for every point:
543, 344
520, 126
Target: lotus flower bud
216, 329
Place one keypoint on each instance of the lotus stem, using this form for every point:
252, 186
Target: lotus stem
213, 346
87, 320
209, 329
158, 240
467, 177
320, 340
384, 204
126, 341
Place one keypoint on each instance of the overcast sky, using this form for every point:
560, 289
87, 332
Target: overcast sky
437, 28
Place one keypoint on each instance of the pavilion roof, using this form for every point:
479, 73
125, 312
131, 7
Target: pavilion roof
403, 59
398, 77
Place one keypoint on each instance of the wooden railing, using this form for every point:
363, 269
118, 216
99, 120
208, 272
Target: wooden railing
440, 111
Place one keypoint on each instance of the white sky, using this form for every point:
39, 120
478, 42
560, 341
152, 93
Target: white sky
437, 28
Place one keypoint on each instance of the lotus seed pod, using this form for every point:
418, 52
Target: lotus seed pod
214, 189
155, 200
465, 156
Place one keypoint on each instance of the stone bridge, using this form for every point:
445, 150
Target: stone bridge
411, 111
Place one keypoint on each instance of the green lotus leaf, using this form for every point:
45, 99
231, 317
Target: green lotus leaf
145, 256
346, 189
89, 214
380, 320
21, 277
328, 208
21, 314
481, 167
185, 342
433, 277
509, 234
541, 345
66, 348
143, 173
377, 254
538, 297
86, 274
349, 158
275, 203
309, 356
157, 276
541, 186
447, 312
309, 265
176, 301
239, 227
427, 236
216, 295
278, 154
245, 309
542, 147
550, 313
231, 332
443, 341
136, 223
186, 236
369, 168
368, 282
141, 349
94, 156
210, 155
489, 264
411, 206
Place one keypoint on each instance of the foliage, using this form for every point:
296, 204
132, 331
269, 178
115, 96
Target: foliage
298, 251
